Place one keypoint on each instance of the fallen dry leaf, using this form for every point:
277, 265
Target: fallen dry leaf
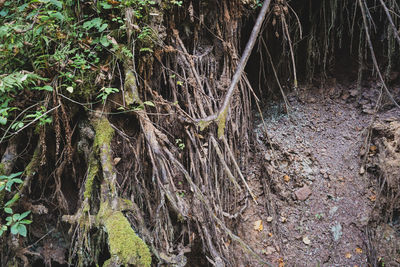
372, 198
258, 226
359, 250
270, 234
348, 255
116, 160
286, 178
372, 148
306, 240
281, 262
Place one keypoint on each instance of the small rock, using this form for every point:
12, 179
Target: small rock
269, 219
269, 250
337, 231
368, 111
306, 240
312, 100
283, 219
333, 210
362, 170
353, 92
303, 193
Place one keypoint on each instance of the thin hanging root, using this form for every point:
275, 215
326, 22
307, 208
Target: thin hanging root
396, 34
223, 111
203, 199
226, 168
371, 48
291, 50
276, 77
237, 167
190, 64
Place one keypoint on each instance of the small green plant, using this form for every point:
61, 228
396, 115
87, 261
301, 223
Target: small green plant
105, 92
180, 144
16, 222
319, 216
175, 2
181, 193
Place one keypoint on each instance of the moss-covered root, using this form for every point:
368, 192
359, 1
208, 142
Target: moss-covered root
126, 248
102, 147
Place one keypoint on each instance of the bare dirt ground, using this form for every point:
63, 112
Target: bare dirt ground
317, 191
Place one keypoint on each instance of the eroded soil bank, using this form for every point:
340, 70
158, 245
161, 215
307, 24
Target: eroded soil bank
319, 172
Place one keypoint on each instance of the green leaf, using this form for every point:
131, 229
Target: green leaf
25, 221
104, 41
146, 49
15, 198
149, 103
57, 15
57, 3
44, 88
13, 175
96, 22
22, 230
8, 185
14, 229
105, 5
103, 27
8, 210
16, 216
3, 120
23, 215
18, 181
4, 12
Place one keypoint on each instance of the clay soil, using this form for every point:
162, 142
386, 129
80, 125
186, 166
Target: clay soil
316, 185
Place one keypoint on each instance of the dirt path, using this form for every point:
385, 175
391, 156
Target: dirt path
322, 202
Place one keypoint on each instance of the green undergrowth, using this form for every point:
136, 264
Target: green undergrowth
71, 47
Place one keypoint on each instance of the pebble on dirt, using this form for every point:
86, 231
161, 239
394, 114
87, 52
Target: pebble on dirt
303, 193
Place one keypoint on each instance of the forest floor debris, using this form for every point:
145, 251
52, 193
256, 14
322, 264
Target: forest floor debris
311, 158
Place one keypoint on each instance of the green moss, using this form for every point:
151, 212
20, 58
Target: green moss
93, 170
125, 246
131, 89
204, 124
2, 171
107, 263
104, 133
30, 169
221, 122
